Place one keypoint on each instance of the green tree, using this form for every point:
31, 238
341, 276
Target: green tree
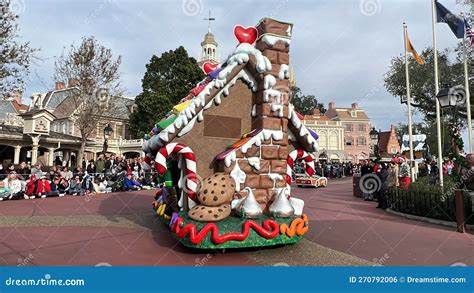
304, 104
422, 79
167, 80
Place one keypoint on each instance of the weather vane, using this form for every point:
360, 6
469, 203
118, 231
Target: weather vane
209, 19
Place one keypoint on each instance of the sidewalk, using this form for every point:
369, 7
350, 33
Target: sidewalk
351, 225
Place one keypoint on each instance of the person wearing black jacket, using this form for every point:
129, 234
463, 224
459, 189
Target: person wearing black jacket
383, 176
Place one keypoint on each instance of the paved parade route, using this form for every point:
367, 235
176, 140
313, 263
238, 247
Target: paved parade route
120, 229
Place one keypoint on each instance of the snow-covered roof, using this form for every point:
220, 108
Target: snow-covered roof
244, 59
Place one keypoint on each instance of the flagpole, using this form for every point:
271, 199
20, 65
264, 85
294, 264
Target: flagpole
410, 131
466, 88
438, 110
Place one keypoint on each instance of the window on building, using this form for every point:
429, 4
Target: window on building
333, 142
348, 127
209, 51
322, 142
394, 150
99, 132
353, 113
362, 127
348, 140
119, 131
361, 140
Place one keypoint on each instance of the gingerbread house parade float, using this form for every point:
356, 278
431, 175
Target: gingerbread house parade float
231, 144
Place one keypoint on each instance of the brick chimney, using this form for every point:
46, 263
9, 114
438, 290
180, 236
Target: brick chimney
316, 112
332, 105
72, 82
354, 105
273, 153
59, 85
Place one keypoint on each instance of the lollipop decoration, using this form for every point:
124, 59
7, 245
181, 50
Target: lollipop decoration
208, 67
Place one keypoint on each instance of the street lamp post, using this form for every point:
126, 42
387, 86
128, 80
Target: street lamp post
107, 133
374, 137
449, 98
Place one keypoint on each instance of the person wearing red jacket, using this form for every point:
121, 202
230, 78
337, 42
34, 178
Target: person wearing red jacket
32, 187
44, 188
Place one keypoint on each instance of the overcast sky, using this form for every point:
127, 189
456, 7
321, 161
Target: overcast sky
340, 49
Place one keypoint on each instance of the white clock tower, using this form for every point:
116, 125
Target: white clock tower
209, 45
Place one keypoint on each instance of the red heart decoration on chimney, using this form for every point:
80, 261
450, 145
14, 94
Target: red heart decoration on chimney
209, 67
245, 35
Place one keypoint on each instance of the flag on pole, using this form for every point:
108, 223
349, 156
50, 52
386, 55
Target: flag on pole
469, 32
456, 24
412, 50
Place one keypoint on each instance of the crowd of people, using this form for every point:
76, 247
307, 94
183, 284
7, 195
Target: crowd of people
104, 175
396, 173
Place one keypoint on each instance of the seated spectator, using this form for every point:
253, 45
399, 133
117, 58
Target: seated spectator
87, 186
13, 188
91, 169
44, 188
66, 173
75, 188
37, 170
79, 172
103, 186
63, 185
23, 171
55, 188
32, 187
131, 184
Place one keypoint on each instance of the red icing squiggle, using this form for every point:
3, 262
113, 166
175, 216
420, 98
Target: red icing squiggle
268, 230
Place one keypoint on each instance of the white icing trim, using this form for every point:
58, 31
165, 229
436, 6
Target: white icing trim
284, 72
238, 175
271, 40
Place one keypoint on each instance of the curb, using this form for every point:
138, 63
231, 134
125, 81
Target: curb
428, 220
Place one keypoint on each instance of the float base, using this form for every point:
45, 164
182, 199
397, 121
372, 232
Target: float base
235, 224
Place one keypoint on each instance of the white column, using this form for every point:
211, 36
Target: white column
16, 158
34, 148
34, 154
50, 156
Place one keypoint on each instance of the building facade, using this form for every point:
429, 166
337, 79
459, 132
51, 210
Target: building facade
331, 136
356, 125
388, 144
44, 131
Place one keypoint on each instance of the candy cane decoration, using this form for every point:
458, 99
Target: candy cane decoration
189, 171
299, 154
